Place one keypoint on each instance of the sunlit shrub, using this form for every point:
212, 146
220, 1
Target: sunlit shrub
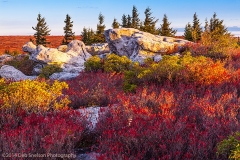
230, 147
115, 63
33, 96
48, 70
94, 63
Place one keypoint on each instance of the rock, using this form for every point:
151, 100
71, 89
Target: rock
138, 45
37, 69
11, 73
4, 58
157, 58
63, 76
71, 61
93, 114
98, 49
62, 48
88, 156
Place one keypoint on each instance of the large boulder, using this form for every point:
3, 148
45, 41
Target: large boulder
98, 48
11, 73
72, 60
138, 45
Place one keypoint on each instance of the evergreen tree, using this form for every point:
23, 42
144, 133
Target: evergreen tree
87, 36
149, 22
99, 37
188, 32
129, 21
115, 24
69, 35
206, 27
217, 38
165, 29
135, 19
196, 29
216, 26
42, 31
124, 21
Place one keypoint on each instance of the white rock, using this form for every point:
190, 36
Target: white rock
71, 61
93, 114
138, 45
11, 73
98, 48
63, 76
157, 58
62, 48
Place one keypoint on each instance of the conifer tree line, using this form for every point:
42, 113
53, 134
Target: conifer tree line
193, 32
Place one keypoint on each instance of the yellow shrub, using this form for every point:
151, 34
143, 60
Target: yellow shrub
33, 96
115, 63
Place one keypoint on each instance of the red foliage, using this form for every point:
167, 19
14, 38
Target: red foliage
15, 43
170, 122
91, 89
52, 132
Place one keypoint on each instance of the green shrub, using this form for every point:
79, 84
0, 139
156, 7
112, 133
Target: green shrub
93, 64
230, 147
48, 70
115, 63
32, 96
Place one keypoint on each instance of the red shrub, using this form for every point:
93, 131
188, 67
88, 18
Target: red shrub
53, 132
169, 122
91, 89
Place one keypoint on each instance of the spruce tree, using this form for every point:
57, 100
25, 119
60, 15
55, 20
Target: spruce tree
115, 24
42, 31
165, 29
129, 21
124, 21
135, 19
188, 32
149, 22
216, 26
217, 38
196, 29
87, 36
99, 37
69, 35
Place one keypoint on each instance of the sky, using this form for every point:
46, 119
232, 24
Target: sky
17, 17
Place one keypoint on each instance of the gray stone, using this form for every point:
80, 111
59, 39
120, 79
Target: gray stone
138, 45
11, 73
63, 75
98, 48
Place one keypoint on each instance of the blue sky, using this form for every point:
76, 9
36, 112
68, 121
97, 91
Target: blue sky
18, 16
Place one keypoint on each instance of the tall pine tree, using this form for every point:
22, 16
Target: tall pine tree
165, 29
135, 19
42, 31
129, 21
149, 22
188, 32
69, 35
87, 36
115, 24
124, 21
196, 29
217, 38
99, 37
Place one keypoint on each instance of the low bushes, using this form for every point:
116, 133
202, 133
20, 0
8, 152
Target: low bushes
48, 70
32, 96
